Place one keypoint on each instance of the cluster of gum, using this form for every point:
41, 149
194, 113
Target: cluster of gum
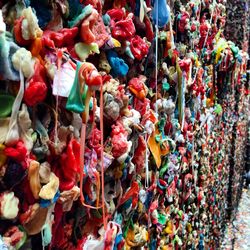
121, 130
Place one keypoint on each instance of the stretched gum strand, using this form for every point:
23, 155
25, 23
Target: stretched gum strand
59, 64
85, 117
102, 158
82, 150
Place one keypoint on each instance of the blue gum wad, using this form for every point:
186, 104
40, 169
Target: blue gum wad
163, 13
119, 67
86, 11
47, 203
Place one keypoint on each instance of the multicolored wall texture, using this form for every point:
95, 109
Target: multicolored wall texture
123, 123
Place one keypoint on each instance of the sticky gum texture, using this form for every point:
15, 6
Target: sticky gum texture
171, 93
9, 206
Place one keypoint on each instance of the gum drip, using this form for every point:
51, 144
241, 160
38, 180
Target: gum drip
102, 161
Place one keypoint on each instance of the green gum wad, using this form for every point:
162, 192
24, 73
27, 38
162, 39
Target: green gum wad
163, 169
218, 110
6, 105
162, 219
165, 85
75, 102
83, 50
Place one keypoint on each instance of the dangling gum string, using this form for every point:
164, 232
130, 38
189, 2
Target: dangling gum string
83, 134
102, 159
59, 64
82, 151
98, 187
146, 163
156, 57
93, 122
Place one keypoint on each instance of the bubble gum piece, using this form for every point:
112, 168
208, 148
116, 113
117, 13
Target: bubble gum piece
104, 64
116, 15
183, 19
18, 32
7, 49
49, 190
100, 32
106, 19
18, 152
119, 140
23, 59
89, 74
119, 67
75, 102
44, 172
128, 50
8, 206
138, 88
70, 161
111, 107
26, 27
110, 236
59, 39
25, 129
87, 25
83, 50
34, 219
34, 179
132, 192
169, 228
15, 237
124, 29
116, 43
139, 47
163, 13
139, 155
7, 103
37, 89
156, 149
68, 197
30, 27
36, 48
